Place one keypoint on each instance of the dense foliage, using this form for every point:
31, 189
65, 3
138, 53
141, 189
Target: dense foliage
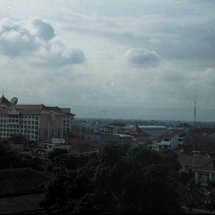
119, 179
12, 159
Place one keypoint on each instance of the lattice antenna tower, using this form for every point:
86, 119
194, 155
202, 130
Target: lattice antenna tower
194, 125
105, 111
194, 115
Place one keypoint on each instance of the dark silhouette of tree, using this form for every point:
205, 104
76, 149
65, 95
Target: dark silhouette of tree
119, 179
210, 199
12, 159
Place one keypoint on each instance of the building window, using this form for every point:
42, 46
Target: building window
203, 177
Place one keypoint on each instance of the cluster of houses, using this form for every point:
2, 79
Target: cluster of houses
193, 150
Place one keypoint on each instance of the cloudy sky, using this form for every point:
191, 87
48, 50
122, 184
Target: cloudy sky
144, 54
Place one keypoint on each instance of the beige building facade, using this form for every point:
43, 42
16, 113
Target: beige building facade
37, 122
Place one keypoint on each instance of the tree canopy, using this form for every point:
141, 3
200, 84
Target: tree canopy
12, 159
119, 179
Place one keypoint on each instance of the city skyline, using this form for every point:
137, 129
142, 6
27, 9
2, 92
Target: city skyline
120, 55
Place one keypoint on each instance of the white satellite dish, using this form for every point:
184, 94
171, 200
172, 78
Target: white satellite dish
14, 100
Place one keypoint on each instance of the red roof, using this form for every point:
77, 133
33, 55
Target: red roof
136, 131
172, 134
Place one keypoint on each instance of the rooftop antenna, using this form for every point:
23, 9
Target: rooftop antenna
3, 92
105, 111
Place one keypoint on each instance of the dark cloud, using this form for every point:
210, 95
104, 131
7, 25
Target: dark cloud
43, 29
76, 56
142, 57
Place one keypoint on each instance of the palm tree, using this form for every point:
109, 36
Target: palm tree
210, 199
191, 189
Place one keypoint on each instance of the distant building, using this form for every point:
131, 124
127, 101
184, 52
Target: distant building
203, 166
155, 146
75, 145
138, 132
98, 140
35, 121
173, 140
114, 128
49, 144
181, 127
205, 142
153, 130
141, 137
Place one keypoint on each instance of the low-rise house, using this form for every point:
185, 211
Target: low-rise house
98, 140
155, 146
140, 137
49, 144
181, 127
78, 145
135, 131
154, 130
114, 128
101, 139
125, 139
171, 140
205, 142
203, 166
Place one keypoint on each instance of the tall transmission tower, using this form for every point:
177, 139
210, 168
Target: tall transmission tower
105, 111
194, 125
194, 115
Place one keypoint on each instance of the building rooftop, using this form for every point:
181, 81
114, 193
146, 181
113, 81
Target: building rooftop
200, 162
24, 204
4, 101
21, 181
116, 124
137, 131
26, 109
172, 134
20, 191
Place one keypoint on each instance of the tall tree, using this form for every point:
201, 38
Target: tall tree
119, 179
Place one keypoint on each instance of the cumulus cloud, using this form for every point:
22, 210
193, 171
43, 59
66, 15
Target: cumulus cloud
15, 39
142, 57
36, 37
43, 29
58, 54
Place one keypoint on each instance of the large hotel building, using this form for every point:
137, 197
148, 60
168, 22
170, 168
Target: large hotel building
38, 122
